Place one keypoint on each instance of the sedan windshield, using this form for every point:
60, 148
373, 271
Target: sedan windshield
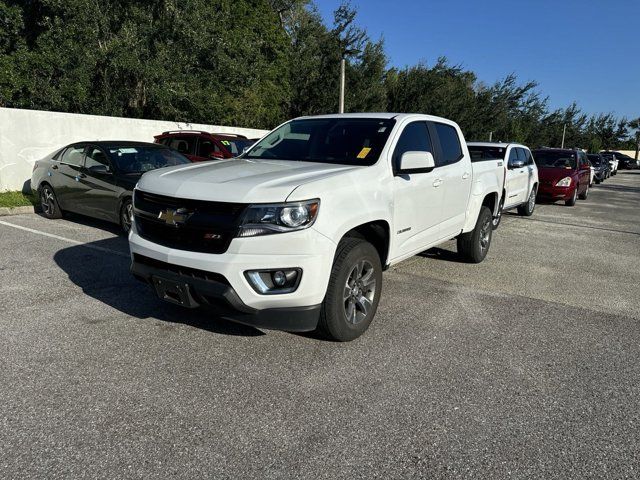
140, 159
595, 159
349, 141
551, 159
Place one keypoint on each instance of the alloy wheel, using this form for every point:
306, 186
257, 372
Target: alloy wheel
359, 292
127, 217
47, 200
485, 235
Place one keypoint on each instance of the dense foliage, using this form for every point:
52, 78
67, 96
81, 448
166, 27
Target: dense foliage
253, 63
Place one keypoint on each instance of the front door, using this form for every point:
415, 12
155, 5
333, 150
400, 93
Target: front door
417, 207
101, 196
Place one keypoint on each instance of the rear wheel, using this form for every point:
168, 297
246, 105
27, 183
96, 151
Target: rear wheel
526, 209
572, 201
49, 203
353, 292
496, 220
583, 195
126, 216
474, 245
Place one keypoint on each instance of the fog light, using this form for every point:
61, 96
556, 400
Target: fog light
275, 281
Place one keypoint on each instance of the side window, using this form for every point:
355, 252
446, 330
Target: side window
522, 156
184, 144
96, 157
528, 156
73, 156
414, 138
206, 148
449, 143
513, 156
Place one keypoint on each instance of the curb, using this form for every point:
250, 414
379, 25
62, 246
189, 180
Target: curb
6, 211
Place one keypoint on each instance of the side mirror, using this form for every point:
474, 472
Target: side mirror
416, 162
99, 169
517, 164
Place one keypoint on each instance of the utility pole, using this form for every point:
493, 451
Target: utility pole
564, 130
342, 67
490, 136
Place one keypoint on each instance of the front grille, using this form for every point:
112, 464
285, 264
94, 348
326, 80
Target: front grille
179, 269
208, 227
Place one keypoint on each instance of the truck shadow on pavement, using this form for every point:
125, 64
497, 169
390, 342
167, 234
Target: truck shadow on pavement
101, 269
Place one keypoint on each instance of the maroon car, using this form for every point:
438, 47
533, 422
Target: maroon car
199, 146
564, 174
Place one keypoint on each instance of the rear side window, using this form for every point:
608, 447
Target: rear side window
449, 143
414, 138
528, 156
73, 156
480, 153
183, 144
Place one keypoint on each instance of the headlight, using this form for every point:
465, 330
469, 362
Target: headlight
565, 182
278, 218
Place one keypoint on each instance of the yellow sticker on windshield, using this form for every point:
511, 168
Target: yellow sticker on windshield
225, 142
364, 152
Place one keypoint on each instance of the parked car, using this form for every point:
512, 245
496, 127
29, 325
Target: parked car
564, 174
521, 175
601, 166
613, 161
295, 233
625, 162
97, 178
199, 146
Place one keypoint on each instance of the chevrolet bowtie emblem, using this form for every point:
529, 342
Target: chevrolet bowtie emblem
174, 217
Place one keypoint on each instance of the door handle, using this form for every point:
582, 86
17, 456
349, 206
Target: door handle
54, 167
437, 182
465, 175
79, 176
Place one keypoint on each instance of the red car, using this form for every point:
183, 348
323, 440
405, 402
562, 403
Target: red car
199, 146
564, 174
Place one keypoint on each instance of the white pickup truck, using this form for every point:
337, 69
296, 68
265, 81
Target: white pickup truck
295, 234
520, 173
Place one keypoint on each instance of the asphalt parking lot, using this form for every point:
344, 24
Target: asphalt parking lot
524, 366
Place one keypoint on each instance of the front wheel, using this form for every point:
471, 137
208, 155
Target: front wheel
526, 209
126, 216
353, 292
572, 201
583, 195
474, 245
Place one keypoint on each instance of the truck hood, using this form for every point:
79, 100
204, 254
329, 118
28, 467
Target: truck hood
237, 180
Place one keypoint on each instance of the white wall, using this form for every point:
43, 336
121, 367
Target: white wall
30, 135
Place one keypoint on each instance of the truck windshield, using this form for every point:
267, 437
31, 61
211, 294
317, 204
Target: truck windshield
348, 141
555, 159
482, 152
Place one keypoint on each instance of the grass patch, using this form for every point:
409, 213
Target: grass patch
17, 199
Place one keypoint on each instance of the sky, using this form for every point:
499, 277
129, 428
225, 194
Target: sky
586, 51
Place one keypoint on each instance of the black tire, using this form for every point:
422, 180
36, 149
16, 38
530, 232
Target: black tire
572, 201
126, 216
352, 254
49, 202
526, 209
495, 223
474, 245
585, 194
598, 181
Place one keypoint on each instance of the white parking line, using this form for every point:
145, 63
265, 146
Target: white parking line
65, 239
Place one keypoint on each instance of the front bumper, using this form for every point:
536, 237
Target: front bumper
218, 282
553, 192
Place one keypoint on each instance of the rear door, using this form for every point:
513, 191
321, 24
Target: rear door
455, 175
417, 207
67, 180
101, 195
517, 177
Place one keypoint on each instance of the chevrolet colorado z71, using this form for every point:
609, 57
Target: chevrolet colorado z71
295, 233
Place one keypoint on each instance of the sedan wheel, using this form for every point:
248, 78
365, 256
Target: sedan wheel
49, 203
126, 216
